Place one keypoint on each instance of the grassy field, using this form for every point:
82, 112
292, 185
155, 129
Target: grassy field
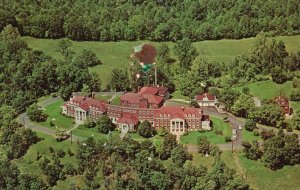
248, 136
104, 98
117, 54
85, 133
54, 112
260, 176
218, 125
269, 89
28, 163
116, 100
199, 159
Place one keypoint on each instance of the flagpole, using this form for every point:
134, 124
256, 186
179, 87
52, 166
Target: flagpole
155, 76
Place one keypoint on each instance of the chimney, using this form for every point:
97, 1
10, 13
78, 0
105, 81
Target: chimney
139, 88
84, 98
93, 95
182, 108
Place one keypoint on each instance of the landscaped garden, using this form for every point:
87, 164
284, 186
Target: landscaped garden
216, 136
54, 115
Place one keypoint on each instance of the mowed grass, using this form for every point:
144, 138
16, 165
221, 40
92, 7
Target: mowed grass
29, 164
248, 136
117, 54
200, 160
86, 133
263, 178
54, 114
218, 125
269, 89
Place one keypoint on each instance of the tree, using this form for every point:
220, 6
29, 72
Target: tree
269, 114
250, 124
93, 82
292, 149
203, 145
186, 53
179, 155
252, 152
87, 58
36, 114
119, 80
274, 155
163, 53
279, 75
64, 47
296, 121
89, 123
146, 130
295, 95
243, 106
228, 98
104, 124
267, 134
169, 144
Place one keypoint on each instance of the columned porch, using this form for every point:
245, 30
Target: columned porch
80, 115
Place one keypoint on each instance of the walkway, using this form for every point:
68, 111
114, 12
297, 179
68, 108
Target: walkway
24, 120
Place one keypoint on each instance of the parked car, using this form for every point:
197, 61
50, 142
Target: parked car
240, 127
234, 137
225, 119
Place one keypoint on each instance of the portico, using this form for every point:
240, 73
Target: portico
177, 126
80, 115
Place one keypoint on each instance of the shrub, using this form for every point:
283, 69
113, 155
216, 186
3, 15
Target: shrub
227, 139
255, 132
250, 124
70, 153
201, 131
295, 95
51, 149
266, 134
185, 133
217, 132
52, 124
195, 104
60, 153
54, 95
289, 129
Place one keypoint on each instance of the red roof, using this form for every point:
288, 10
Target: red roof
177, 112
153, 90
206, 95
85, 103
282, 101
128, 118
149, 90
134, 98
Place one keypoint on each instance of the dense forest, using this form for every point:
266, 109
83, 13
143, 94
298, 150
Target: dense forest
159, 20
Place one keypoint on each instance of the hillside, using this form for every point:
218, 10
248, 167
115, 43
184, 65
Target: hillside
116, 54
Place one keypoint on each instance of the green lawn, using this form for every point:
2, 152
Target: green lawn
218, 125
268, 89
85, 133
117, 54
200, 160
28, 163
248, 136
156, 140
178, 95
54, 112
260, 176
116, 100
105, 98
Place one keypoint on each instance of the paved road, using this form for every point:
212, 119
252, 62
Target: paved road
24, 120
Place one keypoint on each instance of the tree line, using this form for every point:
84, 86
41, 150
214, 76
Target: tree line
159, 20
28, 74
